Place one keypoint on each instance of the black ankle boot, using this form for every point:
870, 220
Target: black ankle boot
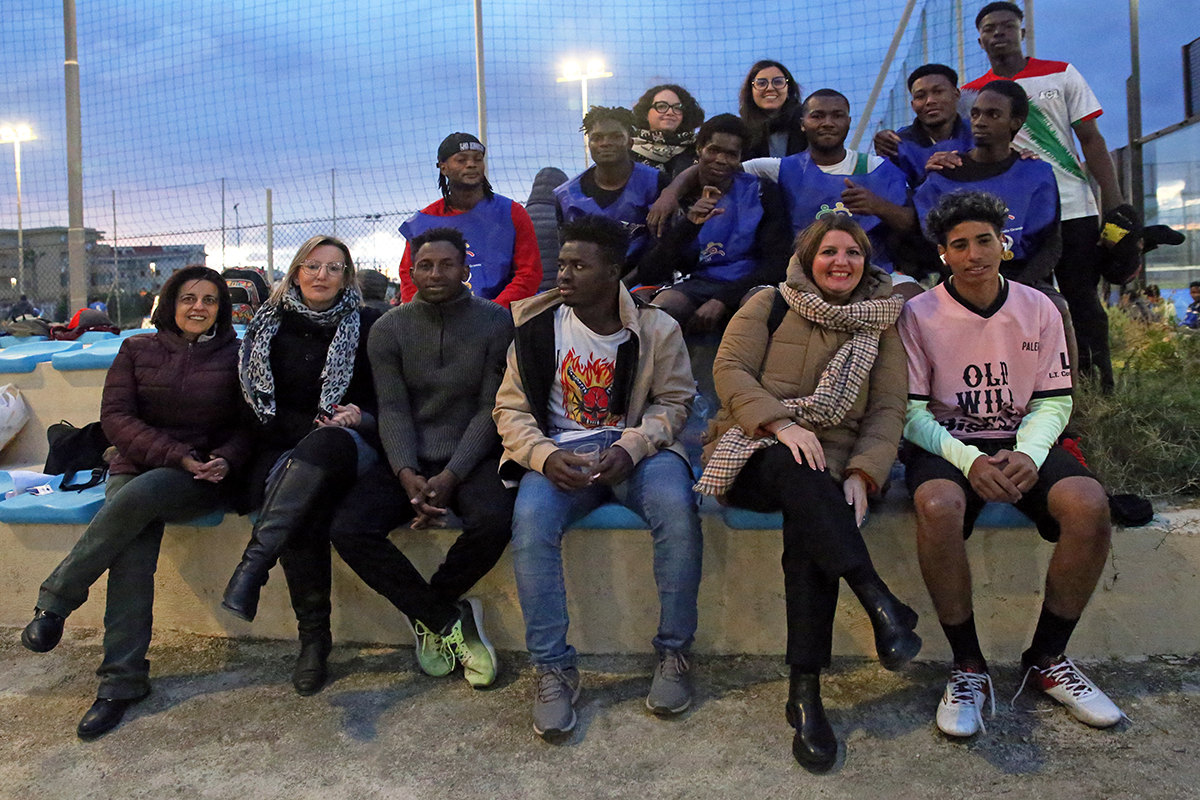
815, 745
896, 643
284, 511
311, 671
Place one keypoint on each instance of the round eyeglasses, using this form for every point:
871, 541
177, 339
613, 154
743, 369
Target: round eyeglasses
662, 107
314, 267
778, 82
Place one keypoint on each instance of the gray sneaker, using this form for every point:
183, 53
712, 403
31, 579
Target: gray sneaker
554, 701
671, 690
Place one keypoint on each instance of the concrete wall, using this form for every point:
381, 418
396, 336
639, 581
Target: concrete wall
1146, 602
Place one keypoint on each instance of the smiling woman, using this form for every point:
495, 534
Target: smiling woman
769, 104
171, 408
810, 421
666, 117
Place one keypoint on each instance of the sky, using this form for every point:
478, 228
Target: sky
340, 104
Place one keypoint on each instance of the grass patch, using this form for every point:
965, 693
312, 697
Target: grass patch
1145, 437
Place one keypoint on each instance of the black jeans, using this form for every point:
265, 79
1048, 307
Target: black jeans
1078, 274
821, 542
378, 504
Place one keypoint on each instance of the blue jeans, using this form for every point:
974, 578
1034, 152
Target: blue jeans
660, 491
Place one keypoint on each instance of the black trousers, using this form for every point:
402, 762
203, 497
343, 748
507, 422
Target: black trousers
1078, 274
378, 504
821, 543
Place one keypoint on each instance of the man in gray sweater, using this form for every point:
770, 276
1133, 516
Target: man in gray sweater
437, 361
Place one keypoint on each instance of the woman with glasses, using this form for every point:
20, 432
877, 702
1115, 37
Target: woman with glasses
171, 409
769, 104
665, 137
305, 374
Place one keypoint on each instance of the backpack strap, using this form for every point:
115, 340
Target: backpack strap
779, 309
98, 477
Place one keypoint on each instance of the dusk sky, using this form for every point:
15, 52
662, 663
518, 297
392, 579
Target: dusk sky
180, 94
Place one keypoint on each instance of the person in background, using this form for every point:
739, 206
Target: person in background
1191, 317
374, 285
728, 236
21, 308
542, 206
305, 375
1063, 108
172, 409
933, 89
616, 186
769, 104
1160, 310
811, 413
502, 246
665, 121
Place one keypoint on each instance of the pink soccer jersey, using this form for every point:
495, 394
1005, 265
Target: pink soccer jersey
979, 371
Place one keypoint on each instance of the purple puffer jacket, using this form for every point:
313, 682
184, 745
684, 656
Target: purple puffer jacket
165, 398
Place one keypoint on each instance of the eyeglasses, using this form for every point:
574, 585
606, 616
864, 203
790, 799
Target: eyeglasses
662, 107
778, 82
333, 267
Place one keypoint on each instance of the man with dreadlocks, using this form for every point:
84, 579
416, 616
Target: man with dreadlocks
616, 187
502, 249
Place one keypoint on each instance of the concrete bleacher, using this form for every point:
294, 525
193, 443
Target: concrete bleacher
1143, 606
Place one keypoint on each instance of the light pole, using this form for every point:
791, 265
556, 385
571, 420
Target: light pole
237, 223
16, 135
573, 72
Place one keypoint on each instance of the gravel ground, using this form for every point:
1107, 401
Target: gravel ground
223, 722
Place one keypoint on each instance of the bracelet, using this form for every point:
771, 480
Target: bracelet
785, 427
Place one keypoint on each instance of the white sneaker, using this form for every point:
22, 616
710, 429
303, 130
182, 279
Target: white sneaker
1067, 684
960, 712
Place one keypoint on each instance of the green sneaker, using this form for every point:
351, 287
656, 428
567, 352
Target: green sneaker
434, 655
470, 644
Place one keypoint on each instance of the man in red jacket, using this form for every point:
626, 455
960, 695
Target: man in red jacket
502, 249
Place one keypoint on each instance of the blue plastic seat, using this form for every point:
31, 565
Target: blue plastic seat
26, 357
96, 356
57, 508
611, 515
13, 341
136, 332
91, 337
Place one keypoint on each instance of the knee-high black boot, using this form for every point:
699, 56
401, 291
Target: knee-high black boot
815, 745
896, 642
286, 508
307, 569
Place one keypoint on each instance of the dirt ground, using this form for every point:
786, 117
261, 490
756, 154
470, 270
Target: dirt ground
224, 722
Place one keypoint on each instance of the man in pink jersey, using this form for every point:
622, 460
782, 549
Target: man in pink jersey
989, 395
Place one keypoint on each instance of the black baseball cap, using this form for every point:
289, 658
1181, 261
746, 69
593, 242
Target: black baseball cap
457, 143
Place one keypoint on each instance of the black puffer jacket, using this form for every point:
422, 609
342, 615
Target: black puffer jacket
165, 398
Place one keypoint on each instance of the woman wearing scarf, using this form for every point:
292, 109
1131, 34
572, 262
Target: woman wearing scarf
769, 104
665, 137
305, 374
813, 385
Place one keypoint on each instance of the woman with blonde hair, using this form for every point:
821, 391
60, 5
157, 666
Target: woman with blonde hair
813, 384
305, 375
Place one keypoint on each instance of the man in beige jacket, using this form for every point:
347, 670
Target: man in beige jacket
590, 410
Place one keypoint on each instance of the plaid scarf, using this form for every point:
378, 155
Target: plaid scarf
258, 382
836, 391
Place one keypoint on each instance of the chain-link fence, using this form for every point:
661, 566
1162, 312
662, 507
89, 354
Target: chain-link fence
192, 110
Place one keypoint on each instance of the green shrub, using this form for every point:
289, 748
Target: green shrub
1145, 437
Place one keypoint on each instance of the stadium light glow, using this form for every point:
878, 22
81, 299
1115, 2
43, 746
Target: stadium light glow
573, 72
16, 135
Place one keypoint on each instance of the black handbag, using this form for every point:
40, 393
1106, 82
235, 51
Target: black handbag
76, 450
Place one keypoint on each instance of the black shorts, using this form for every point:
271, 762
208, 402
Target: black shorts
922, 466
698, 290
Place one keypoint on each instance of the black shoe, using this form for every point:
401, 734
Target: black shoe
286, 509
43, 632
104, 715
814, 745
311, 672
896, 642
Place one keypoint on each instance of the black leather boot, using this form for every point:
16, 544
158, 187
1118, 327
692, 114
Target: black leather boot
815, 745
896, 643
307, 569
285, 510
